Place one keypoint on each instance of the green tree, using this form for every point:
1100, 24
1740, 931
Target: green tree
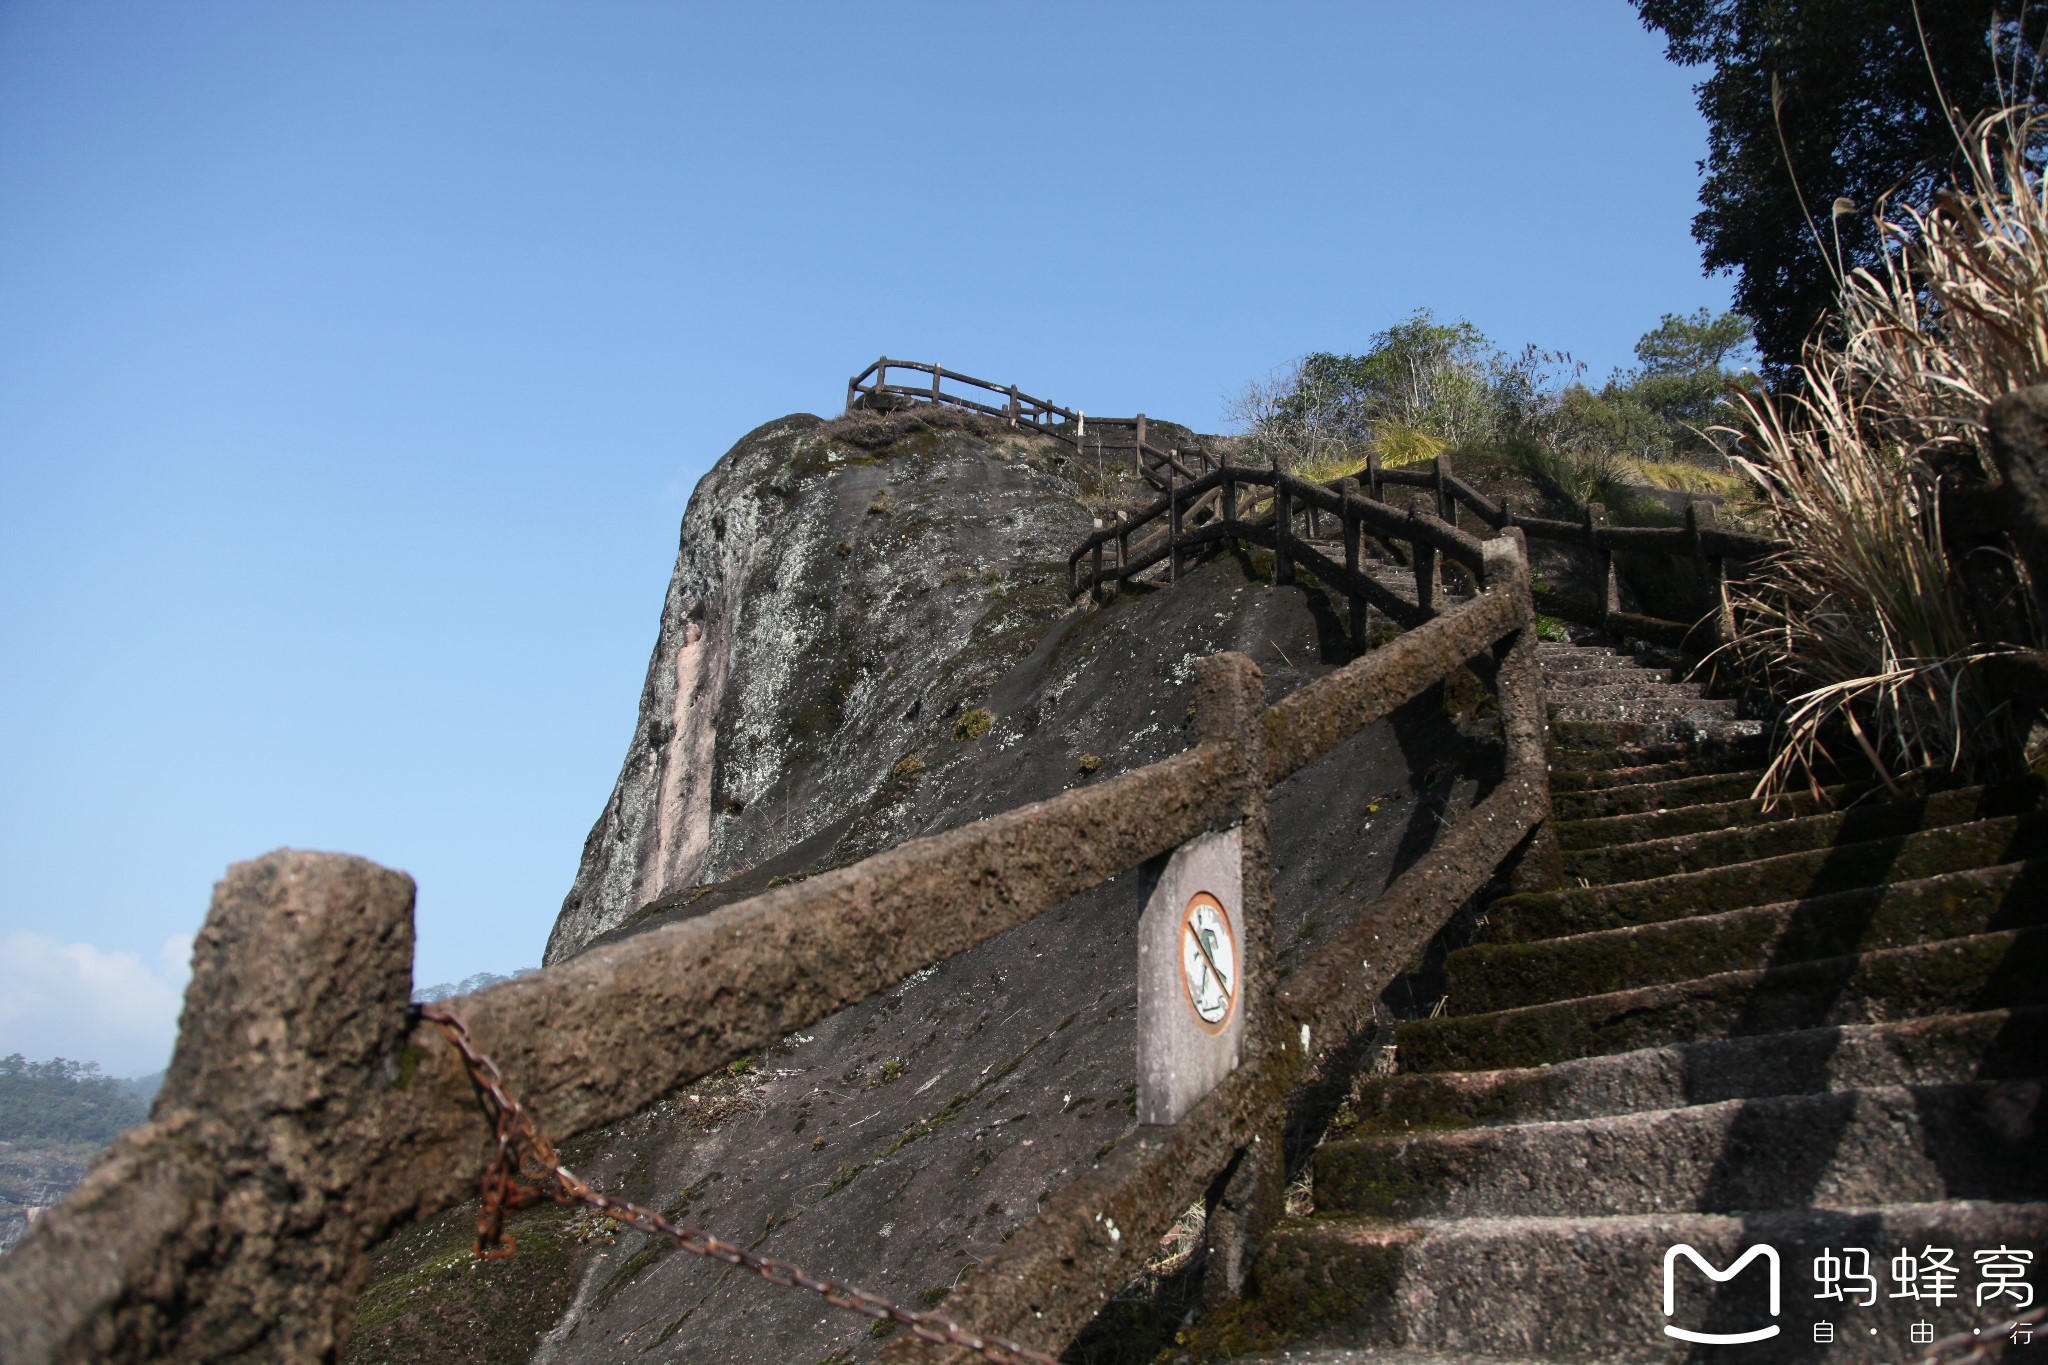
1683, 372
1430, 376
62, 1100
1850, 93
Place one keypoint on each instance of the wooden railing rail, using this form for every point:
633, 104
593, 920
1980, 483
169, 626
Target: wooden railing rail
1159, 464
1361, 505
1016, 407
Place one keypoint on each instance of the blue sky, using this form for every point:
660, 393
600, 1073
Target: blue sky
357, 361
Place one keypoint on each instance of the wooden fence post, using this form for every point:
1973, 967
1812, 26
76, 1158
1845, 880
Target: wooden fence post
1425, 560
1603, 558
237, 1223
1700, 518
1361, 612
1230, 509
1230, 706
1172, 518
1283, 534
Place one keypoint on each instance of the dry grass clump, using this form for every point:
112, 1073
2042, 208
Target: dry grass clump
1865, 623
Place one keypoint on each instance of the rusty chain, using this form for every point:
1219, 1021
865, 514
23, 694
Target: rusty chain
524, 1169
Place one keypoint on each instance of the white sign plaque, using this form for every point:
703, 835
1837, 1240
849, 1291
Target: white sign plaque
1190, 964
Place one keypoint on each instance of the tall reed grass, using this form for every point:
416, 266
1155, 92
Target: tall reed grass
1865, 625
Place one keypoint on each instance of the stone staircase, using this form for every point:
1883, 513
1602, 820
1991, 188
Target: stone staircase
1818, 1027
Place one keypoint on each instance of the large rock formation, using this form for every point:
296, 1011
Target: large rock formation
867, 639
840, 587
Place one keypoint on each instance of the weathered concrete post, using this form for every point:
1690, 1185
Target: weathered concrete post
1172, 517
1230, 703
1603, 556
1424, 553
1538, 864
1283, 535
1361, 612
1700, 521
2018, 424
235, 1225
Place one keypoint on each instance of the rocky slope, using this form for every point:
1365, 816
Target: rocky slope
867, 639
841, 591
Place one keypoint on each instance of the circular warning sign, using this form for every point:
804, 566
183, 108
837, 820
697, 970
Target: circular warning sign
1208, 961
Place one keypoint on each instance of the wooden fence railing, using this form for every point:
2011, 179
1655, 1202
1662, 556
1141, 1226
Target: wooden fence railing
1119, 436
1205, 510
306, 1113
1160, 465
871, 388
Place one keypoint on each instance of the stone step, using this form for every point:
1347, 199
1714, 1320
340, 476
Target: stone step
1602, 762
1665, 822
2005, 970
1945, 1049
1591, 1288
1749, 843
1673, 793
1532, 915
1574, 679
1911, 1144
1488, 976
1701, 712
1555, 654
1647, 688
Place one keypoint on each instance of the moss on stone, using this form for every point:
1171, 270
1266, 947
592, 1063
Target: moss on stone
430, 1299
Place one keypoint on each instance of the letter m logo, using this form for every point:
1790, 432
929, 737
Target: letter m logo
1770, 1255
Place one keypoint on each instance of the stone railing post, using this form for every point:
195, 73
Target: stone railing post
1230, 709
235, 1224
1283, 534
1603, 558
1700, 519
1173, 516
1425, 557
1537, 864
1361, 612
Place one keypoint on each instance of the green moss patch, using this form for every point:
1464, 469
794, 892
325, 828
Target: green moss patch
429, 1299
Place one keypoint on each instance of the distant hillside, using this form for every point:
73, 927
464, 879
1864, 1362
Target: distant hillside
55, 1117
64, 1101
427, 995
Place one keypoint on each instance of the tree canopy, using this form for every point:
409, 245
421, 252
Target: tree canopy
1863, 109
1422, 386
63, 1101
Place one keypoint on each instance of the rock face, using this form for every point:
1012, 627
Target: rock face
839, 588
849, 678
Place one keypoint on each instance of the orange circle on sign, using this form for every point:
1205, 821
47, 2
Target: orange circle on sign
1209, 962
